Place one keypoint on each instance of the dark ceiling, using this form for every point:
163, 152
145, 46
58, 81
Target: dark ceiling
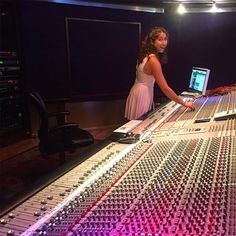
164, 5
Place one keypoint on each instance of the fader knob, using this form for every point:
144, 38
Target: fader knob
43, 202
10, 233
37, 213
11, 215
44, 227
43, 208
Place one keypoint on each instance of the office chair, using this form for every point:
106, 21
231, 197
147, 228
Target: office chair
63, 136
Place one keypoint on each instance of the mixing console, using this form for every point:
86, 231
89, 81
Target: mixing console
179, 178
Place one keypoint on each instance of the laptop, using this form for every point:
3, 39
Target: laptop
198, 82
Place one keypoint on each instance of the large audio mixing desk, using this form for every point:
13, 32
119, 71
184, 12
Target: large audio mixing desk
178, 178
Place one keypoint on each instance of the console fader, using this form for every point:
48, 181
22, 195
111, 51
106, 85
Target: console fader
179, 178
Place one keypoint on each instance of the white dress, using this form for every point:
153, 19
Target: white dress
140, 99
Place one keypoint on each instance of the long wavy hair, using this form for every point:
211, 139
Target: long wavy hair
147, 46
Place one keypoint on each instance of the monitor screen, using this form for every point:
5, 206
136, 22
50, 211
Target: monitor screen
199, 79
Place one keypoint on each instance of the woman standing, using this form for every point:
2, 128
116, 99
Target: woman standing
151, 56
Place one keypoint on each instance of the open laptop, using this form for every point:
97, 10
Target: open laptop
198, 82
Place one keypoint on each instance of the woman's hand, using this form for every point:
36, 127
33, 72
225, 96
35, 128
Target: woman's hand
190, 105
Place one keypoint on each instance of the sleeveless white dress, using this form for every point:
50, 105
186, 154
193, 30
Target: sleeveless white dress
140, 98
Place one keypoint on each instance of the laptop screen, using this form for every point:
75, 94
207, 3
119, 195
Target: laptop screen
199, 80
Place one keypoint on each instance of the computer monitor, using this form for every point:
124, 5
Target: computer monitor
199, 80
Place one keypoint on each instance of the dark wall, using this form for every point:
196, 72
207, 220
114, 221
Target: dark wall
8, 27
99, 56
56, 69
68, 57
204, 40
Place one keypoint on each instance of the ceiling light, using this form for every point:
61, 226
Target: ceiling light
214, 8
181, 9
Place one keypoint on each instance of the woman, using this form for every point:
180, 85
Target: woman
148, 71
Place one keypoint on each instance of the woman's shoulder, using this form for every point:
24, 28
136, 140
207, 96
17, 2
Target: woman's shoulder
151, 55
152, 58
154, 61
148, 58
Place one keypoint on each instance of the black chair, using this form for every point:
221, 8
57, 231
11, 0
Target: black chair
62, 136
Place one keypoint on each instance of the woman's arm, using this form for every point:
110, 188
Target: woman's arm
156, 70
